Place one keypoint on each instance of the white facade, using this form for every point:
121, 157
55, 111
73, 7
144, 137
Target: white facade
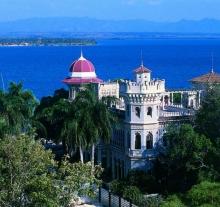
108, 89
148, 108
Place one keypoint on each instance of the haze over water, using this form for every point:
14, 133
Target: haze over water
42, 69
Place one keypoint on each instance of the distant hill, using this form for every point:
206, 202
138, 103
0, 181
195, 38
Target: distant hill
74, 25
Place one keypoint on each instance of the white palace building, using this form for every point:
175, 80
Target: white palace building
145, 108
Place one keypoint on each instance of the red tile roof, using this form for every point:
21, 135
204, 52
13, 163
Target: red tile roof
142, 69
210, 77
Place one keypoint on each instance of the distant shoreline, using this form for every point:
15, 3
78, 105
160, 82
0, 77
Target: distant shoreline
55, 45
41, 42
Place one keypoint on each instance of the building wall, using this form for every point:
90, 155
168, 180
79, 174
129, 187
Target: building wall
138, 97
108, 89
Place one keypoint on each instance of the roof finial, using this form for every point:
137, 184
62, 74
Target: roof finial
81, 53
142, 62
212, 69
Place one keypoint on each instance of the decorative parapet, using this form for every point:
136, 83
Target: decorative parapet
153, 86
141, 98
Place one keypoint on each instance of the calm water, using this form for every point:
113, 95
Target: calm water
42, 69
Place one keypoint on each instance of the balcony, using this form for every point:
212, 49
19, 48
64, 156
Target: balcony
141, 153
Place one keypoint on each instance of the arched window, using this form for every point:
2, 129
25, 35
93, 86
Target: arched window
138, 111
137, 141
149, 111
149, 141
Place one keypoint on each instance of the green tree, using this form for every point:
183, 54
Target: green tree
78, 179
208, 117
207, 122
102, 120
204, 194
51, 114
178, 166
29, 176
16, 109
89, 121
24, 177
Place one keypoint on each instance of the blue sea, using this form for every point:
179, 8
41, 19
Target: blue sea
42, 69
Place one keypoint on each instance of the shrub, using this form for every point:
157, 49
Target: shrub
117, 187
145, 182
204, 194
151, 201
172, 201
133, 194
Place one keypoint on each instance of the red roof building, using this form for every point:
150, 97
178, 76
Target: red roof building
143, 74
142, 69
210, 78
82, 71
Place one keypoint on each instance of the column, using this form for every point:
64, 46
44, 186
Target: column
181, 100
199, 101
172, 99
189, 100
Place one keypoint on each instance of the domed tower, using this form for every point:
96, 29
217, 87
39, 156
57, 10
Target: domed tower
81, 73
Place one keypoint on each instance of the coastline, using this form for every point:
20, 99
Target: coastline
54, 45
41, 42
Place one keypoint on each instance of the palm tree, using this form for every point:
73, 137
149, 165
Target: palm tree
98, 120
17, 109
87, 121
51, 113
74, 135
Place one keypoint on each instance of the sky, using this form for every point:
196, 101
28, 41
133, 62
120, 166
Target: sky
153, 10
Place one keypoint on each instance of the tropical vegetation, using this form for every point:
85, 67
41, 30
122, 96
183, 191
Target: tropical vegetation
29, 174
186, 171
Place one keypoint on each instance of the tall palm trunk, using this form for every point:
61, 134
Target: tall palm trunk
81, 154
93, 155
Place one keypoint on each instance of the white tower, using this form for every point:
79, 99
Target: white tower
142, 105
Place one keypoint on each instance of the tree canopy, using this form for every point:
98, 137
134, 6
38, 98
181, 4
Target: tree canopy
16, 109
178, 166
29, 176
208, 117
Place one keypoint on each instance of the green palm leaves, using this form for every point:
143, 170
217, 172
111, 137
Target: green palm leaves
16, 110
88, 121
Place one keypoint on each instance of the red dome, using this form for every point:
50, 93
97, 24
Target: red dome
82, 65
82, 71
